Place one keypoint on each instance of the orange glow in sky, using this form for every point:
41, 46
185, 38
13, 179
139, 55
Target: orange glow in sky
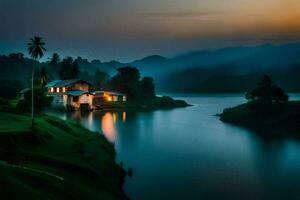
136, 28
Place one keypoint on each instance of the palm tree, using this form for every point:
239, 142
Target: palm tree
36, 50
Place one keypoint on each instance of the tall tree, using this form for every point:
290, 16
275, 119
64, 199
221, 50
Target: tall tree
69, 69
43, 77
127, 81
55, 59
36, 50
100, 79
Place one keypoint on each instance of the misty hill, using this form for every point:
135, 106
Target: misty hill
257, 57
233, 69
226, 70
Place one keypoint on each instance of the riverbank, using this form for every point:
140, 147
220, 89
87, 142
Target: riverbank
284, 122
55, 160
156, 103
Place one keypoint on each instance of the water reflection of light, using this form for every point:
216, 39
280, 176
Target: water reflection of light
90, 121
124, 116
115, 117
108, 127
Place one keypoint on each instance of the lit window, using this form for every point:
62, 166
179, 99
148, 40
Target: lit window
51, 89
64, 90
57, 90
109, 98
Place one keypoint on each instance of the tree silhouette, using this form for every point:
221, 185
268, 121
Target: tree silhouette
148, 88
55, 59
43, 77
100, 79
69, 69
36, 50
266, 92
127, 81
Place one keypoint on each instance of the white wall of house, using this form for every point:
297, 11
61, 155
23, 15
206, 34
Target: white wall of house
81, 86
75, 102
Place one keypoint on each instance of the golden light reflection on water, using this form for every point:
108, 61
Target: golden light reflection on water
108, 126
115, 117
90, 121
124, 116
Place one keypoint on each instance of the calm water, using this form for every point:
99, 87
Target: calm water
187, 153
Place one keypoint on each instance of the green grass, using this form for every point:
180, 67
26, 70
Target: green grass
85, 160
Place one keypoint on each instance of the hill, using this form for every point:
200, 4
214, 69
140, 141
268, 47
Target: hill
230, 69
55, 160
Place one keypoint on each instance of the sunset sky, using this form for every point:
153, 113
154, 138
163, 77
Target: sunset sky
130, 29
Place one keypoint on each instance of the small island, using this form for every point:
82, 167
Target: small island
267, 112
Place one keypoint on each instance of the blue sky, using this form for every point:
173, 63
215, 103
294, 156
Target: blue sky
130, 29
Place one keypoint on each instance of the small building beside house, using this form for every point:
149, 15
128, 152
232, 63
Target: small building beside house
108, 96
23, 92
73, 94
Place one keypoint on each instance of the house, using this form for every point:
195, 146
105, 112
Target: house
23, 92
108, 96
73, 93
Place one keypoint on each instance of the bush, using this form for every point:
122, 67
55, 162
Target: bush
10, 88
41, 100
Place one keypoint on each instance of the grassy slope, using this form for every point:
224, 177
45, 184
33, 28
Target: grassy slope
55, 160
283, 123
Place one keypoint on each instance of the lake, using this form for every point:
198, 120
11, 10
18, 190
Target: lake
187, 153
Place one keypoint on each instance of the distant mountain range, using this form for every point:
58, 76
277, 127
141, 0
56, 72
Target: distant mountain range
233, 69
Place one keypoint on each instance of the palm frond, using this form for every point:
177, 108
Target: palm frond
36, 47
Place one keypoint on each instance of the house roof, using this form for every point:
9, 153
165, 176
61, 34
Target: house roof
65, 83
25, 90
76, 93
110, 92
52, 83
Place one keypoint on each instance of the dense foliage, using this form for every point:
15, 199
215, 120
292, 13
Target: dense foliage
100, 80
127, 81
40, 98
267, 92
10, 88
148, 87
69, 69
267, 97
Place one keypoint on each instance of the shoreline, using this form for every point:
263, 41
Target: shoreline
280, 124
158, 103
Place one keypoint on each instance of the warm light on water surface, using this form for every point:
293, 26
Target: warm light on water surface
108, 126
188, 153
